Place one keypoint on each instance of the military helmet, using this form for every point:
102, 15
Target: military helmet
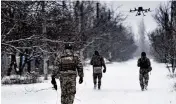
96, 53
68, 46
143, 54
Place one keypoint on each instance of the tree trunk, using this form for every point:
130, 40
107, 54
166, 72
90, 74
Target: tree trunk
45, 68
44, 34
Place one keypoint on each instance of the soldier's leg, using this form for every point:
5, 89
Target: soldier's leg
95, 79
9, 69
146, 78
141, 80
71, 85
63, 90
29, 66
63, 99
15, 68
71, 98
99, 80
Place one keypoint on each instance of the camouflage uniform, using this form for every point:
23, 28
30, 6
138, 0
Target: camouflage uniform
97, 61
13, 64
143, 72
67, 67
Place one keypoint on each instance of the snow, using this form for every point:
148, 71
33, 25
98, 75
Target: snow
120, 84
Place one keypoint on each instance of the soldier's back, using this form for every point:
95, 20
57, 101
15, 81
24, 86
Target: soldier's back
67, 64
96, 60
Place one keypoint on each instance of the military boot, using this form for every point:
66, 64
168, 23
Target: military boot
142, 87
145, 87
95, 86
99, 87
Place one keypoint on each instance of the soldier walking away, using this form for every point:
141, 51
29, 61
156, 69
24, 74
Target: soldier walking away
66, 68
27, 61
97, 62
13, 64
145, 68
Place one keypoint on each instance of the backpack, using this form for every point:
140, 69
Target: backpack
144, 63
96, 60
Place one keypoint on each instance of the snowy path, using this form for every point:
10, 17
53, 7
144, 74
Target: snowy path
120, 85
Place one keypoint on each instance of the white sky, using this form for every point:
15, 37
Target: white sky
133, 20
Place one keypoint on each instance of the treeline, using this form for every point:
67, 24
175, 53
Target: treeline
40, 29
164, 37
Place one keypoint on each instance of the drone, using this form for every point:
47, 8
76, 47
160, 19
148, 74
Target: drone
139, 10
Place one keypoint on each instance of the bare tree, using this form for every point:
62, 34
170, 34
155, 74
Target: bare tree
42, 28
163, 38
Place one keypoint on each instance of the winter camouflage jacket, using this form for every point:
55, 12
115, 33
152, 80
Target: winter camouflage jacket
66, 65
144, 64
97, 61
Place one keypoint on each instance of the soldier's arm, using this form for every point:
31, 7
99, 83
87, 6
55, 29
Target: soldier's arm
79, 68
56, 69
91, 61
103, 63
138, 63
149, 63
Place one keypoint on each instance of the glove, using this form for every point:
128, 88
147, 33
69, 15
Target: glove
53, 81
104, 70
80, 80
55, 87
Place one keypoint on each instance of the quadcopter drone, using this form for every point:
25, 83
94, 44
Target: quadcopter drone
139, 10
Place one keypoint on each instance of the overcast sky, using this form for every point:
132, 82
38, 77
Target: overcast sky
133, 20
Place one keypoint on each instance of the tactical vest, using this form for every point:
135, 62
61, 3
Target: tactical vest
68, 63
144, 63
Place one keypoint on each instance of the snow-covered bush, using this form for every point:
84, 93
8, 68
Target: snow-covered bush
27, 78
175, 82
173, 77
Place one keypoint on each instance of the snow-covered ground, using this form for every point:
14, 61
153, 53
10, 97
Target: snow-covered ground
120, 85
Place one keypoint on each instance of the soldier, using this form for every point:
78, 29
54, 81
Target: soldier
67, 67
145, 68
13, 64
97, 61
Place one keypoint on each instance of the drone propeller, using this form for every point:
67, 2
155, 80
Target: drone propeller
140, 10
132, 10
135, 9
149, 9
139, 13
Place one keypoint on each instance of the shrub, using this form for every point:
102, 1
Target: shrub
27, 78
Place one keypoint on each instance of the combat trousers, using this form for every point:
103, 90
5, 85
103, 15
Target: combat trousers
97, 76
12, 65
143, 78
68, 89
